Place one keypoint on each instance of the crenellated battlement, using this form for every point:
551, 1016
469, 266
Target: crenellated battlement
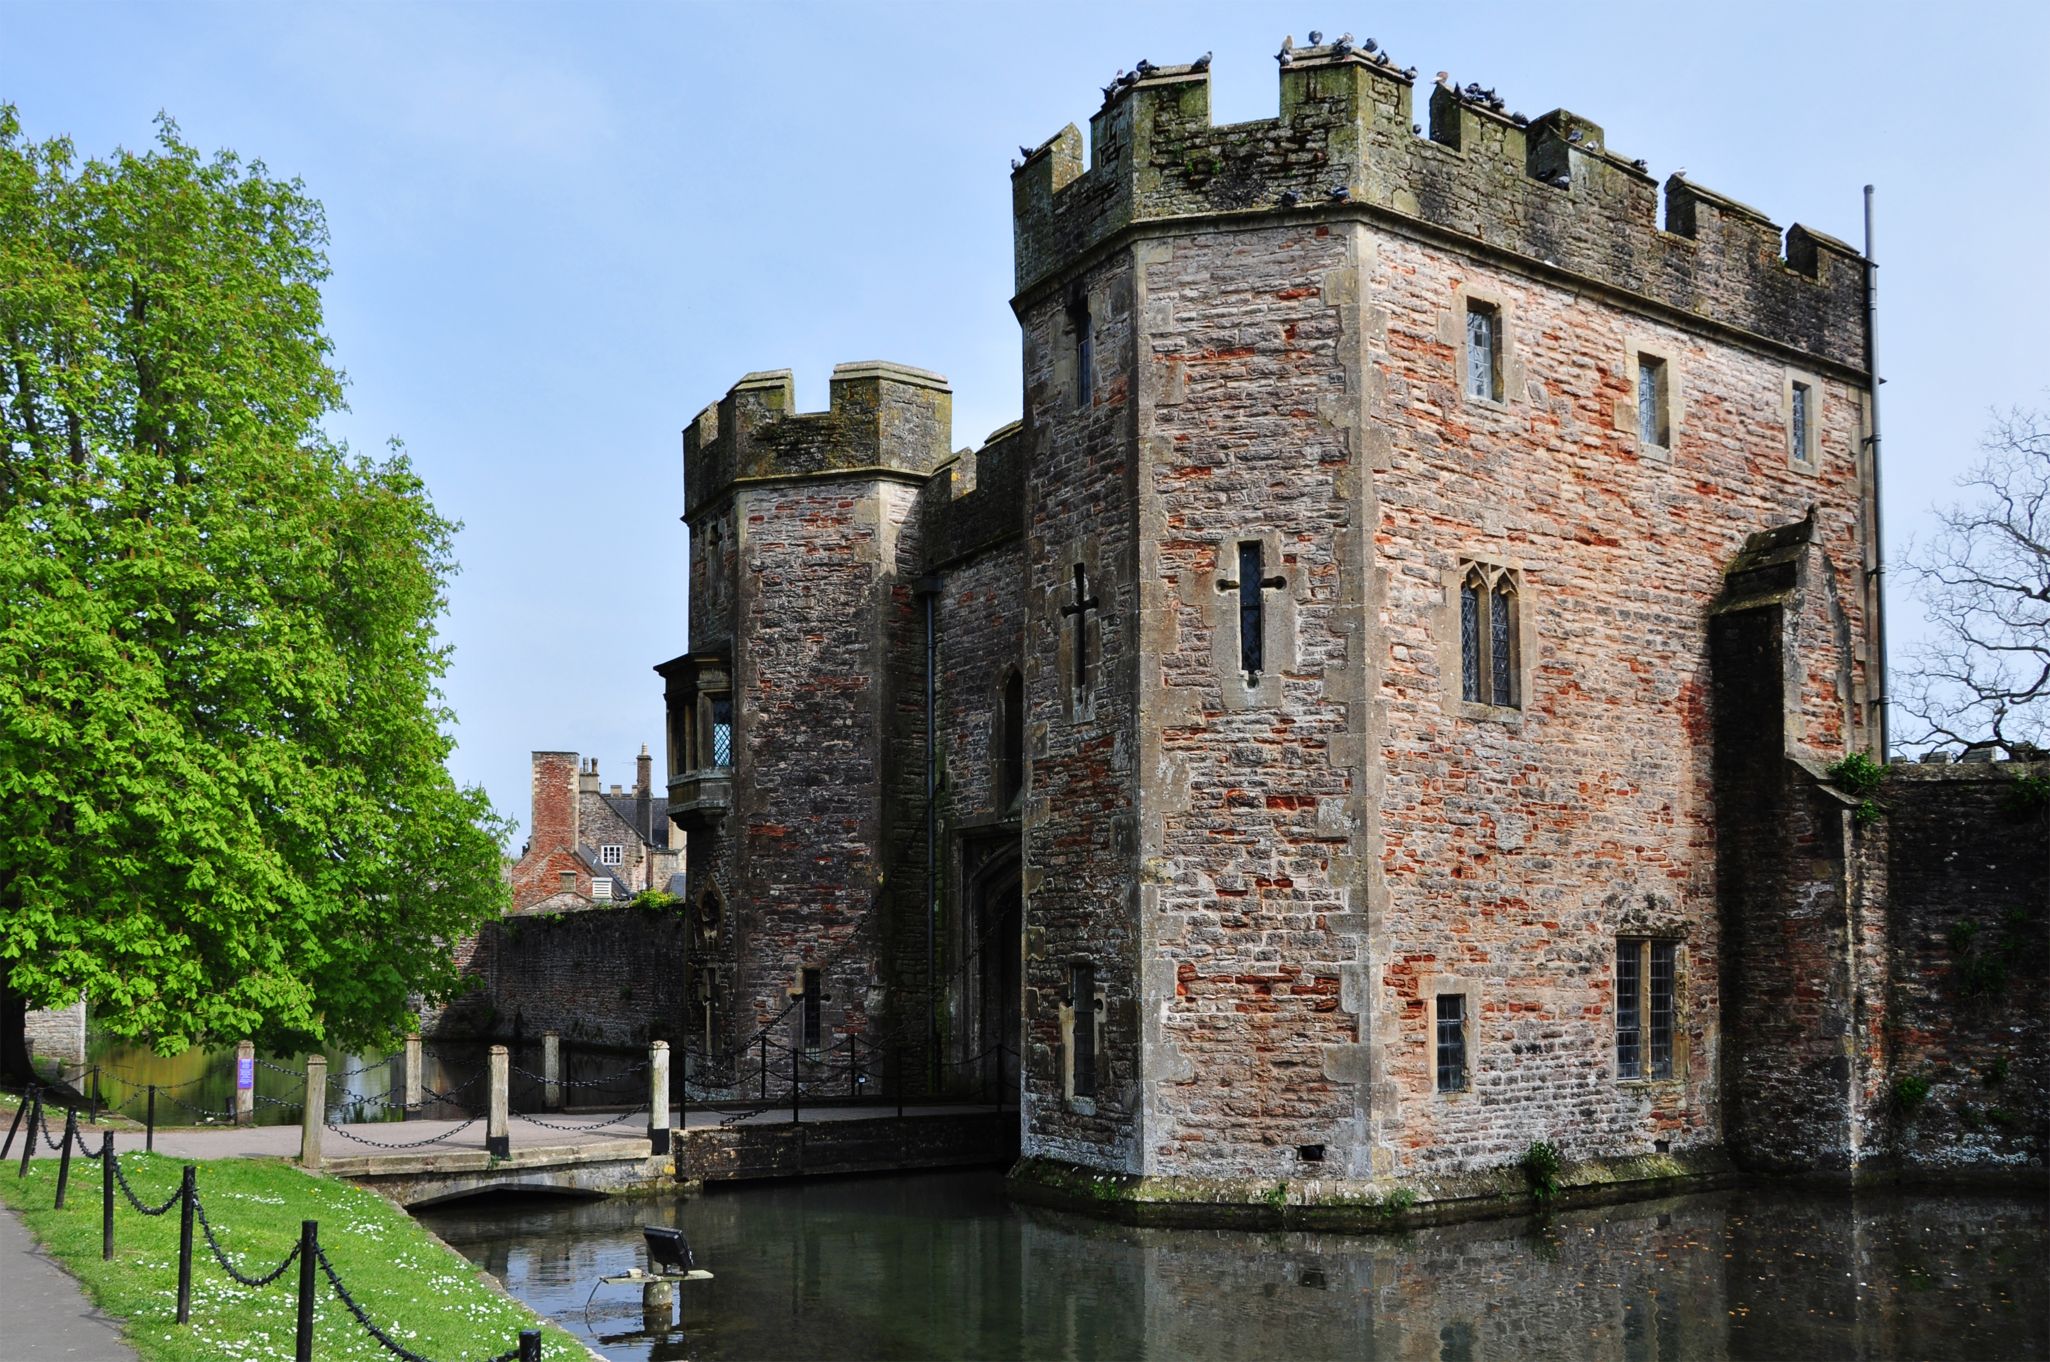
880, 416
1549, 189
977, 500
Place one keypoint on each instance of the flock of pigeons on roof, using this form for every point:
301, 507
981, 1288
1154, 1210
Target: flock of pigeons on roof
1473, 92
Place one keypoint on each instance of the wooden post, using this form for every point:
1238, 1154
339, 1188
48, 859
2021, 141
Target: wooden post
498, 1124
551, 1069
413, 1078
313, 1116
658, 1097
245, 1083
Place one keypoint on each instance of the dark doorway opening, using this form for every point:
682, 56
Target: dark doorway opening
993, 968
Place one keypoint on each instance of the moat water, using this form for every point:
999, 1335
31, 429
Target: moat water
940, 1266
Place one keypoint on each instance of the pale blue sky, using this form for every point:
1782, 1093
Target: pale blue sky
559, 231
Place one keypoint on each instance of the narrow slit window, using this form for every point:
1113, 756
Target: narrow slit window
1501, 639
1470, 592
1451, 1042
1483, 352
1085, 351
1252, 623
813, 1015
1077, 611
1082, 989
1654, 419
1801, 422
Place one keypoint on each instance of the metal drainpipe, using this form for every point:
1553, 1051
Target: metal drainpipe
1878, 569
928, 588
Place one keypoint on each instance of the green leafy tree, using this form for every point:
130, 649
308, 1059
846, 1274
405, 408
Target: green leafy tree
223, 805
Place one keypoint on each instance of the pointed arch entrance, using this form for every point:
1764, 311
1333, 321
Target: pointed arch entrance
993, 960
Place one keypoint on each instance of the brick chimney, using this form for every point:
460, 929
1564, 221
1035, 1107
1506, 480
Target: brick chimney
643, 789
554, 822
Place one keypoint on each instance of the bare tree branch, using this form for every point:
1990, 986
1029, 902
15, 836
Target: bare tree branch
1983, 681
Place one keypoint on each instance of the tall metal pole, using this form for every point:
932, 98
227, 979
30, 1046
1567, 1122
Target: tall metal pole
932, 849
1876, 573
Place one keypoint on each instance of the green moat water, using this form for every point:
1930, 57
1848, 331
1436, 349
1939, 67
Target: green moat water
941, 1266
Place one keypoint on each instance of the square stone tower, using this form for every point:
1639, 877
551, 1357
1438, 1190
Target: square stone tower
1379, 485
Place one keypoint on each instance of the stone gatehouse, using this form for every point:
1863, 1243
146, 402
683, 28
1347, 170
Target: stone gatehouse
1310, 744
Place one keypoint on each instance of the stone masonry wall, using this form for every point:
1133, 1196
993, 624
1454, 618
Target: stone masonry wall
611, 976
1522, 843
1081, 836
1968, 921
1253, 907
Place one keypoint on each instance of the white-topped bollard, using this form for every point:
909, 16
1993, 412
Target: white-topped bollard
313, 1115
658, 1097
245, 1083
551, 1069
498, 1125
410, 1074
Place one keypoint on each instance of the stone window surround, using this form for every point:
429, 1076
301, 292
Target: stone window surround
1509, 356
1084, 1105
1626, 405
1066, 351
1523, 647
1677, 1080
1220, 609
1476, 992
1000, 755
1078, 703
1810, 459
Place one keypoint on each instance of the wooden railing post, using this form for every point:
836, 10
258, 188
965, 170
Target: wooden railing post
313, 1115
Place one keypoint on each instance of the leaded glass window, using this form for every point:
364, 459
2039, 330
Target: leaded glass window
1501, 669
1489, 654
1800, 417
1654, 423
722, 730
1483, 352
1470, 637
1451, 1042
1646, 1005
1629, 1009
1659, 1007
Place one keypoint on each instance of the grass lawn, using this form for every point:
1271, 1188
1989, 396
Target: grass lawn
420, 1292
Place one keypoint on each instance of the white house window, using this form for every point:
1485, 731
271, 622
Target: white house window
611, 855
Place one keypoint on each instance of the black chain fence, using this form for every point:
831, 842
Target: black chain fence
221, 1255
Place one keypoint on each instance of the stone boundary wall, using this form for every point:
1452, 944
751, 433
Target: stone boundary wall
1968, 964
603, 976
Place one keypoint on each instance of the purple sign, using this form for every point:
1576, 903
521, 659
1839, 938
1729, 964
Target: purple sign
245, 1073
